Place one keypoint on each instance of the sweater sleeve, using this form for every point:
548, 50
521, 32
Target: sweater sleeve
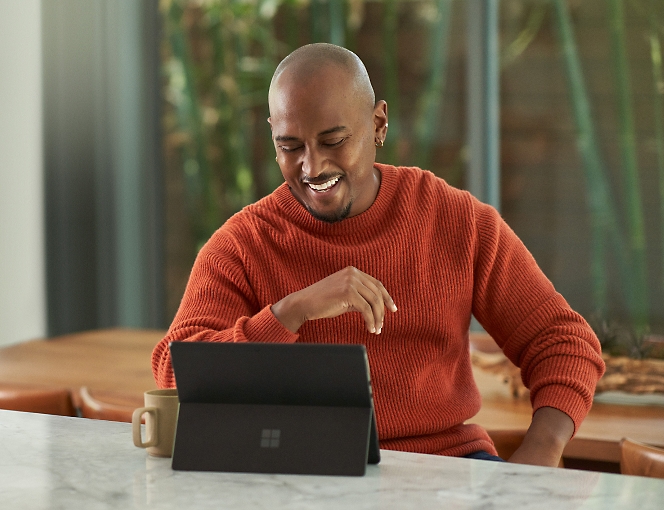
218, 305
558, 353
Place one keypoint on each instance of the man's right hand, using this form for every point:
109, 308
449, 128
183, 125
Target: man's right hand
348, 290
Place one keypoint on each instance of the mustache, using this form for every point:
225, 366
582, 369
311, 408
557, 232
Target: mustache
320, 179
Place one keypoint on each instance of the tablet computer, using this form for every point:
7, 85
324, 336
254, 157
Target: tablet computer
274, 408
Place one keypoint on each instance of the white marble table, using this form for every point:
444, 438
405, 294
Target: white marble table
59, 462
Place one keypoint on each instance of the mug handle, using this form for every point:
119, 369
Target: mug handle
152, 429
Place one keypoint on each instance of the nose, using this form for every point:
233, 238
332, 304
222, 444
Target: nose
313, 163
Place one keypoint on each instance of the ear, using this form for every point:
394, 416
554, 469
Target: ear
269, 121
380, 120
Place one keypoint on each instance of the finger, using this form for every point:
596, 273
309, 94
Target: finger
384, 299
374, 298
389, 302
374, 293
387, 299
357, 303
364, 297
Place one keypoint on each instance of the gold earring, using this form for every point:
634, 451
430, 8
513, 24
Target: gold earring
379, 143
276, 159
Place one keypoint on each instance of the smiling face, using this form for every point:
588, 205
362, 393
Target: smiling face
324, 132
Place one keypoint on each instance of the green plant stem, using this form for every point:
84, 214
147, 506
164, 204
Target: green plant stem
292, 30
658, 90
525, 37
429, 115
605, 225
631, 185
317, 19
354, 20
337, 23
200, 195
391, 80
228, 132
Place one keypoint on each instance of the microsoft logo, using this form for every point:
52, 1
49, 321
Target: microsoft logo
270, 438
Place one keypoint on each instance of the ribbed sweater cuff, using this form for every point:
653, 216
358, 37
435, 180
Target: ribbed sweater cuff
265, 327
564, 399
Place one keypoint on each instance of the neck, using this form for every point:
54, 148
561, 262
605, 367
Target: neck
359, 206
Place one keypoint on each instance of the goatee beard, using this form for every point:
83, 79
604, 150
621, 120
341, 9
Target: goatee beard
332, 218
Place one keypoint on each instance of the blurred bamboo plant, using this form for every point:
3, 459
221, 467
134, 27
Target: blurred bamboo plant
628, 239
604, 220
219, 56
658, 92
635, 227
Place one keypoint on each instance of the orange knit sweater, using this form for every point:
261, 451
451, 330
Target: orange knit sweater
442, 255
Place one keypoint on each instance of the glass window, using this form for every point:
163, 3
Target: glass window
581, 126
583, 152
218, 59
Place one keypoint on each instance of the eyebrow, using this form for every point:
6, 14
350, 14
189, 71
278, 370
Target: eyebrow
335, 129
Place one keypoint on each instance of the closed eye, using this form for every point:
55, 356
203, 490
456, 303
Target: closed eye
286, 148
334, 142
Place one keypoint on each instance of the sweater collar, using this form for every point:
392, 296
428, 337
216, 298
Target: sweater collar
362, 222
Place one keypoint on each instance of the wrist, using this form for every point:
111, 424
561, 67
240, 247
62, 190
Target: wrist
551, 429
546, 438
286, 311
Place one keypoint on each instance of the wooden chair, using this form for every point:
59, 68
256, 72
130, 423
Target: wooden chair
35, 399
100, 405
640, 459
506, 441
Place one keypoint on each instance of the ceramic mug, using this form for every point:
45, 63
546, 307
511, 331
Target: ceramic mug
161, 415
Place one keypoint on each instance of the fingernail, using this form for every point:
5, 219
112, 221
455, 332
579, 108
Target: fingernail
394, 308
379, 330
373, 329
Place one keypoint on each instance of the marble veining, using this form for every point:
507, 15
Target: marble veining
60, 462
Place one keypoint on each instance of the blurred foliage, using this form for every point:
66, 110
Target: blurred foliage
617, 212
219, 56
218, 59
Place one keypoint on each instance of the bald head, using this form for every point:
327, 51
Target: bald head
325, 127
307, 62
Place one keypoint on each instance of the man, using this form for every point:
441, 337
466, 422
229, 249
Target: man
351, 251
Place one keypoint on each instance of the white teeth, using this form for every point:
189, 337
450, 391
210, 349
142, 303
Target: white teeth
325, 186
